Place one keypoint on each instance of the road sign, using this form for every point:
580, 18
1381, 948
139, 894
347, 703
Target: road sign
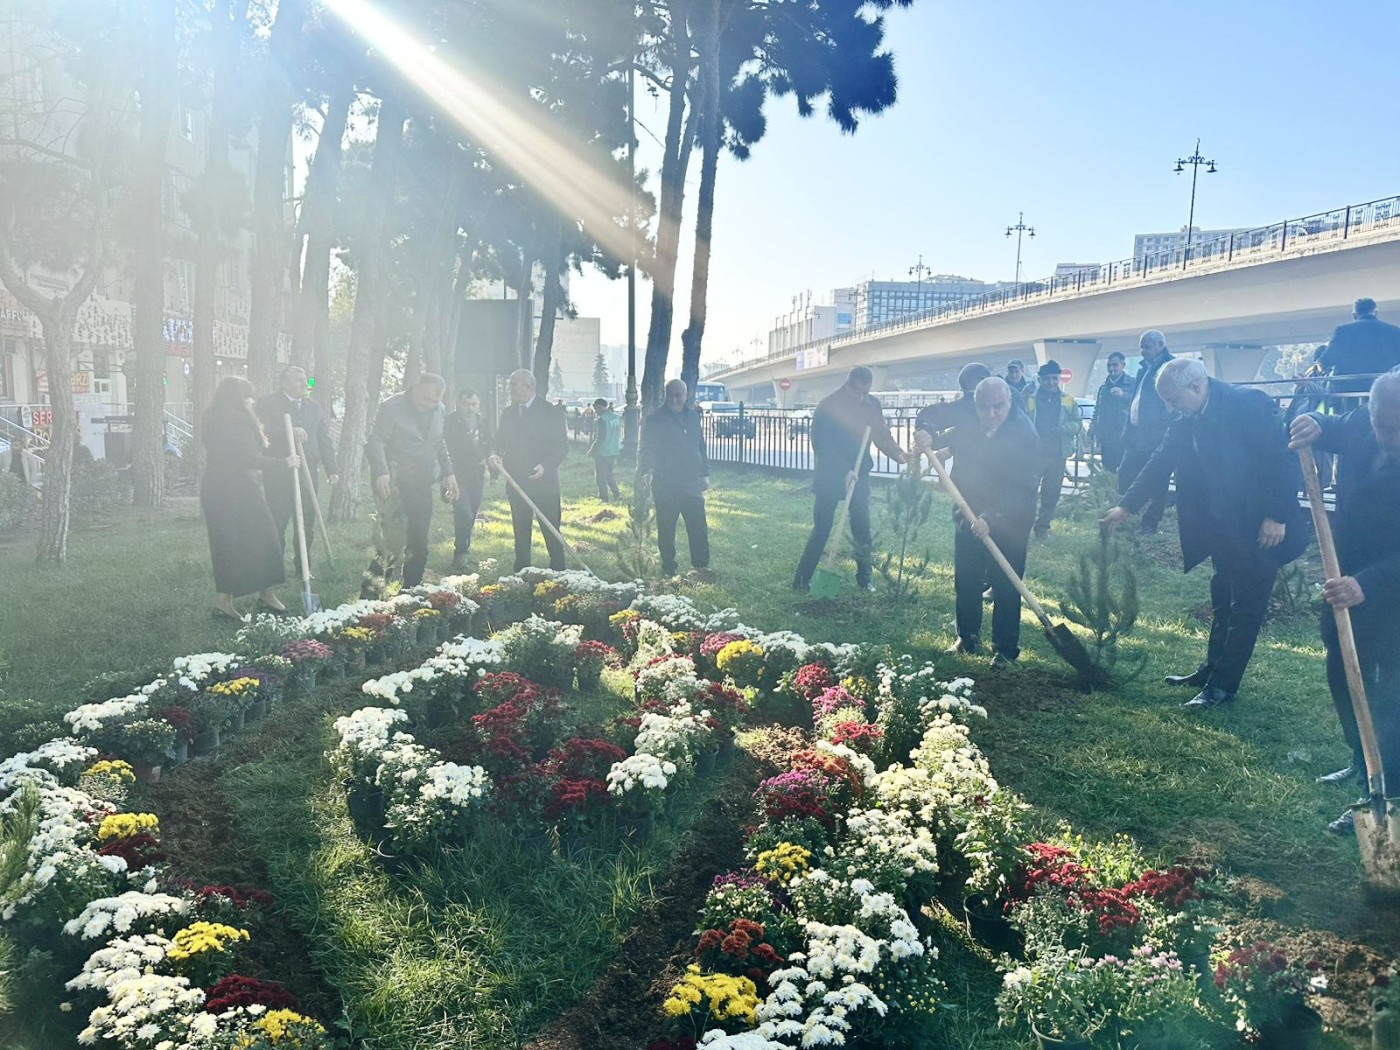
785, 383
1066, 375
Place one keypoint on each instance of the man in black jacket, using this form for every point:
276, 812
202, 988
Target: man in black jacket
1147, 425
313, 432
531, 443
995, 468
1367, 519
1364, 347
837, 425
407, 457
1237, 503
672, 457
935, 419
468, 437
1111, 412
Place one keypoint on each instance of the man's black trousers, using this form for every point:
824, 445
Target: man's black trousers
1239, 601
1379, 653
973, 568
522, 522
690, 506
823, 514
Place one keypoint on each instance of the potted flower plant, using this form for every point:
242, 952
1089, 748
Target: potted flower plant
354, 643
639, 784
1264, 990
590, 658
307, 656
182, 722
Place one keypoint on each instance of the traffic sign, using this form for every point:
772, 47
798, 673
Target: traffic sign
1066, 375
785, 383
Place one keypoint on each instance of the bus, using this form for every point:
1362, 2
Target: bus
707, 391
912, 398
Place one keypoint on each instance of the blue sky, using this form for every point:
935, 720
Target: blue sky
1072, 111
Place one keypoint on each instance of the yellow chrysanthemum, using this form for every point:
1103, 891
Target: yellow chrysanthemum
200, 937
425, 614
727, 998
235, 687
114, 769
286, 1026
127, 825
783, 862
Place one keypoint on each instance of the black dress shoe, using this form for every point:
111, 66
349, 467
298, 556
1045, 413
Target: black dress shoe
1209, 697
1344, 825
1341, 776
1195, 679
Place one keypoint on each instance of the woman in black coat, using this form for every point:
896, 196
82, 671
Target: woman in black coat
243, 543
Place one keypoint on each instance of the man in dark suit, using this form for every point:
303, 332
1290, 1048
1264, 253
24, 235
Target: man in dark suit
468, 436
1367, 519
1146, 426
996, 468
407, 457
531, 443
1364, 347
312, 431
1111, 412
935, 419
1237, 503
1057, 424
672, 456
837, 425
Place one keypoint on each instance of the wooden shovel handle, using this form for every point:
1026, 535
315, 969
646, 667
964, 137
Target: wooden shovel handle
971, 516
545, 523
1346, 639
840, 529
300, 523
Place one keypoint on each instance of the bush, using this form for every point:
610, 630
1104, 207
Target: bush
17, 502
98, 489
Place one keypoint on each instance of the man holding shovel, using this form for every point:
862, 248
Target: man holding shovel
1237, 504
313, 434
531, 443
407, 457
1365, 524
995, 468
672, 455
837, 425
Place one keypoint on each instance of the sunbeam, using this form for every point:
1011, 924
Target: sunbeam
518, 136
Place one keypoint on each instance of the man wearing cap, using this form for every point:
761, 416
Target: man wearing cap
1237, 504
1056, 418
837, 425
1111, 412
935, 419
994, 467
1147, 426
1022, 389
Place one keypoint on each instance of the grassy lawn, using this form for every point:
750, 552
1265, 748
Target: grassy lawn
488, 934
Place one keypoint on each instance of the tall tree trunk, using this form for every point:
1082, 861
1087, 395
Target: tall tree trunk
271, 243
553, 301
525, 312
148, 277
366, 328
55, 509
453, 320
675, 160
711, 135
311, 326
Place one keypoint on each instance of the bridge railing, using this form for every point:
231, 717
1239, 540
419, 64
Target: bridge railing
1322, 231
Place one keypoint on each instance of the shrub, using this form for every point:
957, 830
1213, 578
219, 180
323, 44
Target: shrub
17, 503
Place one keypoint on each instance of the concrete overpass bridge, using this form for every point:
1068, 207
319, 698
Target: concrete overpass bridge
1230, 300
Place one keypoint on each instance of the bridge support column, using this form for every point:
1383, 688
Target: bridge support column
1232, 362
1078, 355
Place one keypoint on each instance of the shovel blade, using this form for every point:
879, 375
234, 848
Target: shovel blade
310, 602
1378, 837
825, 584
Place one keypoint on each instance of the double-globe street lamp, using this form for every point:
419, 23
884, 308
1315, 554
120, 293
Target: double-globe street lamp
1019, 229
1195, 160
917, 271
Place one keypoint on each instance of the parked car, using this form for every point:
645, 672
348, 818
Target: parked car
799, 423
728, 420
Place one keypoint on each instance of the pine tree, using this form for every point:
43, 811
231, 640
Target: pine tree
601, 380
556, 376
1102, 596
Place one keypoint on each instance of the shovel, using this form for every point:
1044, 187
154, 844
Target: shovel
310, 602
1061, 639
316, 504
545, 523
826, 581
1377, 826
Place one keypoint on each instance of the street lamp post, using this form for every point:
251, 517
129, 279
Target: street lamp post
1195, 160
918, 270
1019, 229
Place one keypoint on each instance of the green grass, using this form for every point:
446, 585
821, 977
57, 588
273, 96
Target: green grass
493, 936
